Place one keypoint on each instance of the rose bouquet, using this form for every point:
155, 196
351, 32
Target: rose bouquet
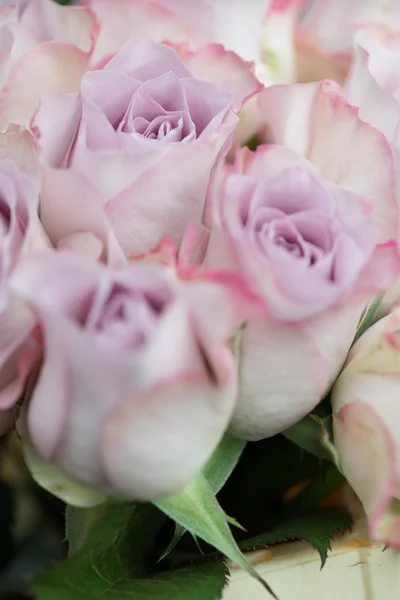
199, 331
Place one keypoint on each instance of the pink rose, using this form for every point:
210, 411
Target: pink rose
39, 39
20, 235
374, 81
307, 248
366, 422
130, 156
374, 87
138, 383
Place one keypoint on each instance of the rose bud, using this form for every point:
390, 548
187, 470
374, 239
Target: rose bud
308, 248
137, 383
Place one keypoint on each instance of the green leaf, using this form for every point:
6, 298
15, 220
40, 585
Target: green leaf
200, 582
223, 461
78, 524
368, 317
198, 511
216, 471
317, 528
116, 548
308, 434
111, 563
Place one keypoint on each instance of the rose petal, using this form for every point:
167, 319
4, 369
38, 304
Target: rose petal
18, 143
123, 20
71, 205
373, 77
368, 459
43, 20
51, 68
213, 63
277, 388
184, 416
317, 122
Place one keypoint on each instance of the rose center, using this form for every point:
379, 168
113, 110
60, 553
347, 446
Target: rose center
170, 127
126, 319
291, 247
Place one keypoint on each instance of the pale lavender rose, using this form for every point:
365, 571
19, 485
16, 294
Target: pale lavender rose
20, 235
129, 157
307, 247
138, 383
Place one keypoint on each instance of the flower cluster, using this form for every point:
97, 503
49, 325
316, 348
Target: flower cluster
198, 202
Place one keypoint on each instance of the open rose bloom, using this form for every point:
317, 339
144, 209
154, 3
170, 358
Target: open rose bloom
199, 207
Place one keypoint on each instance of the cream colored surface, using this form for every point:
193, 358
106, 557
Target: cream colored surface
355, 570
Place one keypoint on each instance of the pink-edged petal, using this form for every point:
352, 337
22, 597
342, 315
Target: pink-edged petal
71, 205
186, 418
317, 122
123, 20
373, 77
381, 271
213, 63
44, 20
368, 460
51, 68
285, 370
356, 156
18, 144
164, 253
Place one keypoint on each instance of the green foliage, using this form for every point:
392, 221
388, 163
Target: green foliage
317, 528
308, 435
116, 549
200, 582
368, 317
197, 510
115, 559
78, 524
216, 472
223, 462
